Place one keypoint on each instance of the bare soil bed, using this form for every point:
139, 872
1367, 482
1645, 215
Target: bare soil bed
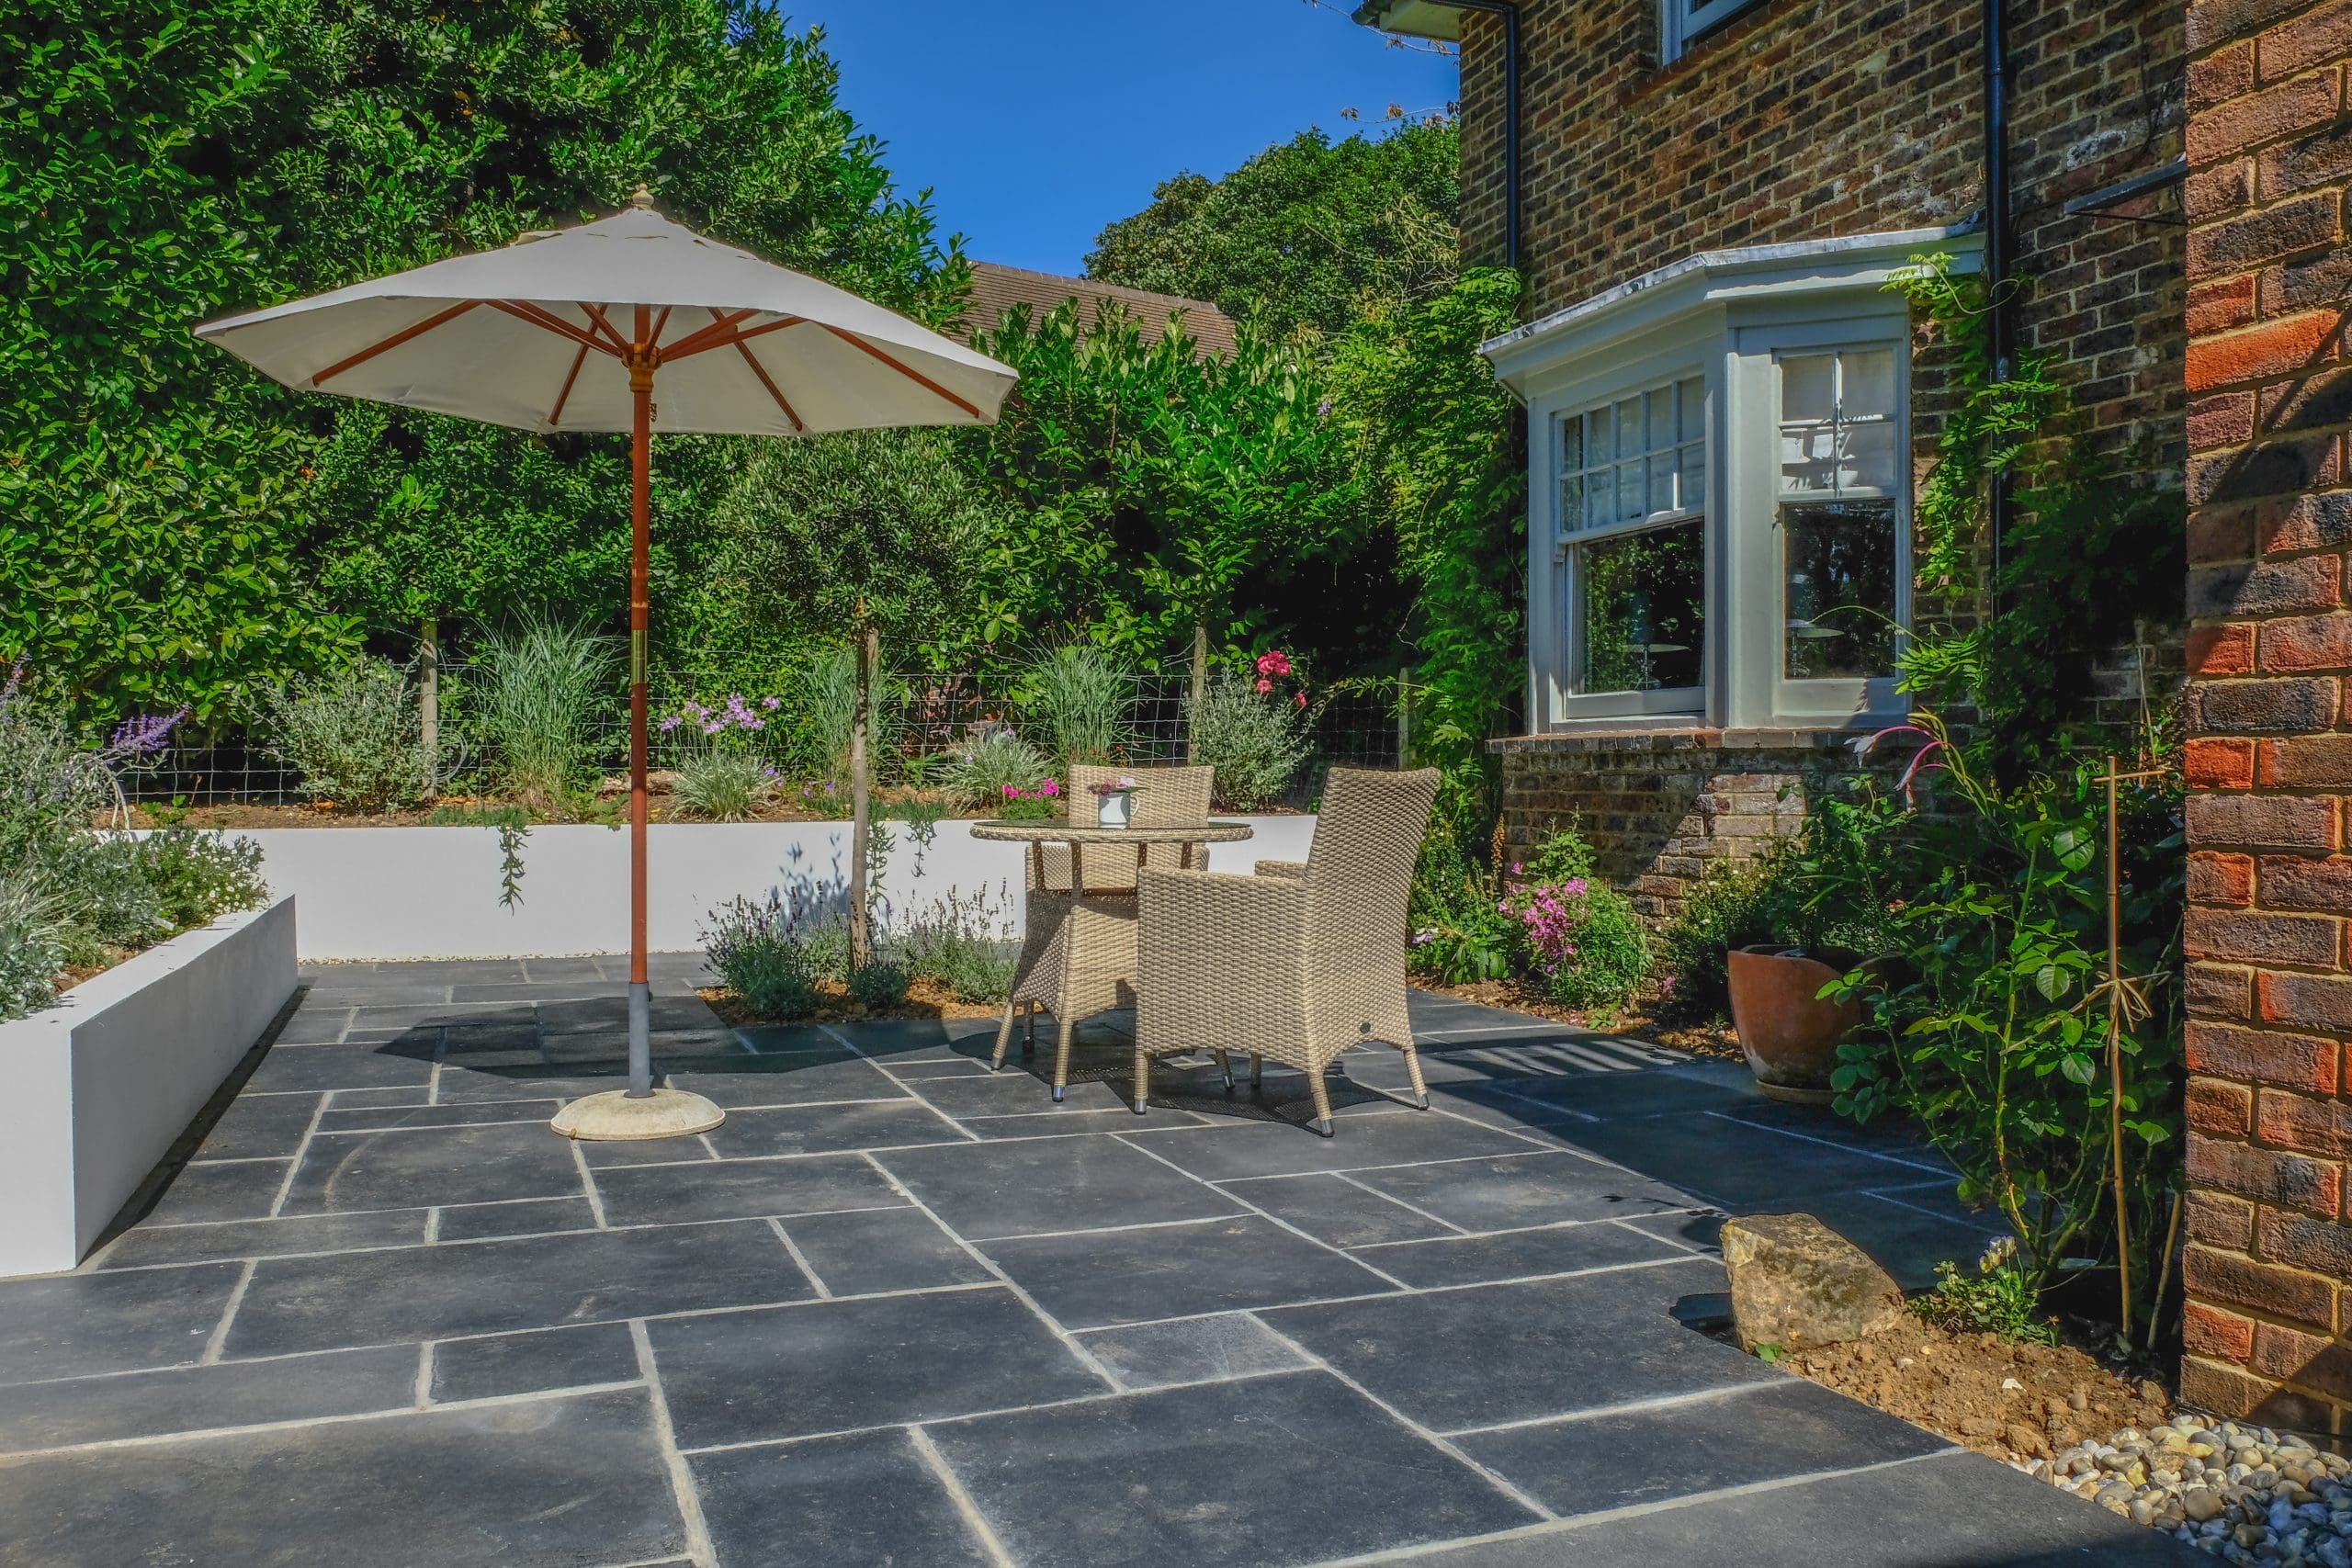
925, 998
1645, 1020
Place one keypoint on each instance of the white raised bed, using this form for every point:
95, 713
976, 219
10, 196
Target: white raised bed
101, 1085
433, 892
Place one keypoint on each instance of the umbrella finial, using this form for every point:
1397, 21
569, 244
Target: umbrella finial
643, 199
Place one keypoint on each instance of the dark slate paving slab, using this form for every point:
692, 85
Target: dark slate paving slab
1652, 1092
441, 1293
821, 1129
1015, 1093
409, 1167
649, 1151
1289, 1469
1766, 1433
1192, 1350
1510, 1255
1732, 1162
314, 1023
260, 1126
209, 1191
70, 1326
1049, 1184
396, 1118
195, 1399
869, 1252
784, 1080
532, 1081
1072, 1119
1488, 1354
391, 1065
1882, 1135
1525, 1189
1336, 1209
838, 1366
1096, 1278
740, 1188
146, 1246
351, 1099
868, 1498
534, 1216
1946, 1511
893, 1042
538, 1362
1386, 1137
559, 1482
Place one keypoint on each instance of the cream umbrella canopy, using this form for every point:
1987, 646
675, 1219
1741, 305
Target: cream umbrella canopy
632, 323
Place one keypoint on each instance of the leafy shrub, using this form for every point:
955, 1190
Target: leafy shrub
1733, 904
1040, 805
1080, 696
1256, 742
354, 735
826, 798
545, 685
32, 945
1582, 937
1461, 933
763, 952
197, 878
995, 761
2001, 1300
828, 691
881, 984
720, 785
964, 945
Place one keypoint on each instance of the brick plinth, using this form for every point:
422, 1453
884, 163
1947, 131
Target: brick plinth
2269, 1255
1657, 807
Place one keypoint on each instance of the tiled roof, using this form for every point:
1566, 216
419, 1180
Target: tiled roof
997, 288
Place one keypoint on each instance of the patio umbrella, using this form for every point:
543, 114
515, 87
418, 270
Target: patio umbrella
578, 330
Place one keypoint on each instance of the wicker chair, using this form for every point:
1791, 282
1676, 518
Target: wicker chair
1078, 957
1297, 962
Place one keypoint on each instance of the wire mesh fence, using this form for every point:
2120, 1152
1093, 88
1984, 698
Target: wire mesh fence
923, 711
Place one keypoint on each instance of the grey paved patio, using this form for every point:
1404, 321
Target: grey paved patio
899, 1310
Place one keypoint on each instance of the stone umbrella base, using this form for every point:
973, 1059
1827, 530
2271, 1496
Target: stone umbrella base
617, 1116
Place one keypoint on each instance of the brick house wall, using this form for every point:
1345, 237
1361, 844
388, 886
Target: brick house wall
2269, 758
1807, 119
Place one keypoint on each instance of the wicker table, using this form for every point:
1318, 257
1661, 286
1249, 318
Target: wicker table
1078, 956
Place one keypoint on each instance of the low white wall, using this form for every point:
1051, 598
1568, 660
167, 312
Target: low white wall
101, 1085
433, 892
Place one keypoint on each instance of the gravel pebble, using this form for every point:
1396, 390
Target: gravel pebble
2247, 1494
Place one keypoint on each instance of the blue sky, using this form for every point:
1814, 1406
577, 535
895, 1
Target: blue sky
1035, 124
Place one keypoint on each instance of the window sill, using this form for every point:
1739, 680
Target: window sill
1689, 737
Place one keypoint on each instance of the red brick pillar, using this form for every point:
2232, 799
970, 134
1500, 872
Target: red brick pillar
2270, 1125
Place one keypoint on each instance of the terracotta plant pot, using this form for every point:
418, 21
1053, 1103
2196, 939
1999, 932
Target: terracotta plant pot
1789, 1032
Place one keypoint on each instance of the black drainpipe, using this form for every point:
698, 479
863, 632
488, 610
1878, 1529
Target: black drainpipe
1509, 11
1997, 259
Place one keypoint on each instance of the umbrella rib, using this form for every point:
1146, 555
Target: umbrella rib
710, 337
915, 376
523, 310
703, 338
564, 396
398, 338
596, 314
761, 371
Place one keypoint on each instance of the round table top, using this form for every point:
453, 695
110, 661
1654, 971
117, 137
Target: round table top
1213, 832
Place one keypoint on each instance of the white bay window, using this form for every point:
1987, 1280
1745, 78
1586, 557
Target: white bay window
1720, 512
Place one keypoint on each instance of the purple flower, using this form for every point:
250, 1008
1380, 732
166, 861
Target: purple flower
139, 736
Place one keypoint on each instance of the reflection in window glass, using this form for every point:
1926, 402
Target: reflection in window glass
1838, 422
1840, 559
1635, 459
1643, 610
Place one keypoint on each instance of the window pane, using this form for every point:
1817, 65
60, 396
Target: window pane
1694, 476
1600, 498
1661, 418
1662, 483
1808, 458
1868, 383
1571, 503
1597, 445
1571, 444
1632, 491
1643, 610
1808, 387
1694, 409
1868, 460
1841, 589
1629, 428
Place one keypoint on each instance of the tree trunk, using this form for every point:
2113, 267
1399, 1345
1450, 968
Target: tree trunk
861, 801
1200, 687
428, 700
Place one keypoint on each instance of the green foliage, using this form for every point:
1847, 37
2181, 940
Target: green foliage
2085, 563
963, 944
1446, 466
197, 878
1735, 904
881, 984
1581, 936
768, 952
1305, 236
32, 944
826, 697
1999, 1301
543, 686
996, 762
1256, 742
1081, 696
1150, 490
1027, 806
1461, 931
353, 735
722, 785
1989, 1027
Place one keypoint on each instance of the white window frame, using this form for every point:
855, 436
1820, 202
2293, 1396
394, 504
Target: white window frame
1678, 32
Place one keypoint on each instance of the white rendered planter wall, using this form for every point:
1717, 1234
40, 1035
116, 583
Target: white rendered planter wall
385, 892
101, 1085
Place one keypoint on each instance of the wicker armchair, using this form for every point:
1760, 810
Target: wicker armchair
1078, 956
1297, 962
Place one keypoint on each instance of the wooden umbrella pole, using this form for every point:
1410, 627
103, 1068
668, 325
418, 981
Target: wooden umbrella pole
640, 570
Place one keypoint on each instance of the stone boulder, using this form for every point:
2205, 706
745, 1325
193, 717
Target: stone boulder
1797, 1283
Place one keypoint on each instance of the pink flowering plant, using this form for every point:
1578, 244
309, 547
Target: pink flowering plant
1581, 939
721, 773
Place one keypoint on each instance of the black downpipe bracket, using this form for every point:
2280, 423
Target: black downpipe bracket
1509, 11
1997, 245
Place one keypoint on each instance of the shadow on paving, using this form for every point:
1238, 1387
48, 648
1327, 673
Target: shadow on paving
901, 1308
